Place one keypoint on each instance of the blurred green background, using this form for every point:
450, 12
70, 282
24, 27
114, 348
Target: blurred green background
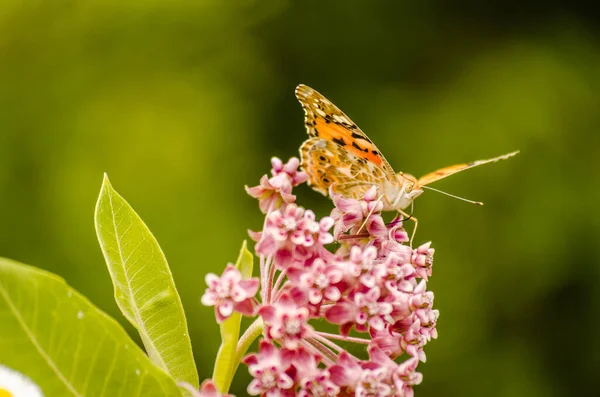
183, 103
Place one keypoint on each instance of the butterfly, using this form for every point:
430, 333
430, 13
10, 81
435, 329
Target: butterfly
338, 154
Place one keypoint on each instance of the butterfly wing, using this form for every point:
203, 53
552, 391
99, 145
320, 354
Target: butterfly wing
453, 169
328, 163
338, 151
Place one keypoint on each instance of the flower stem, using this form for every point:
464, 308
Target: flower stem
277, 284
344, 338
328, 357
251, 333
327, 343
269, 283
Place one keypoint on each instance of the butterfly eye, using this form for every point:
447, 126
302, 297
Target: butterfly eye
409, 187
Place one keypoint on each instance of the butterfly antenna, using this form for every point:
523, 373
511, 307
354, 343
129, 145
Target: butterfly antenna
451, 195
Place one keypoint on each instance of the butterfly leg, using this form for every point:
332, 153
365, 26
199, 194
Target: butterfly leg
415, 220
370, 213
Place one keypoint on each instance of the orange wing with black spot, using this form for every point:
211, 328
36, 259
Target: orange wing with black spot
338, 152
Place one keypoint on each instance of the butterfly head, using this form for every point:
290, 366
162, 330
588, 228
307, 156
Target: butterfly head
409, 190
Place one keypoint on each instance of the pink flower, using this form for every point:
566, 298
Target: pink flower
364, 263
398, 275
269, 371
271, 193
207, 389
422, 259
421, 297
388, 342
397, 232
350, 213
229, 292
346, 372
294, 224
325, 224
317, 280
287, 320
374, 382
289, 169
365, 309
277, 190
401, 377
428, 319
289, 234
405, 377
312, 380
412, 341
371, 310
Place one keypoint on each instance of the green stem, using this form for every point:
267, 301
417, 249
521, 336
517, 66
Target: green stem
253, 332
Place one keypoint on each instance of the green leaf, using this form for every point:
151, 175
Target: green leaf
245, 262
144, 287
225, 362
69, 347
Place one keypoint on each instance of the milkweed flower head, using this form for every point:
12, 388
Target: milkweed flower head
350, 269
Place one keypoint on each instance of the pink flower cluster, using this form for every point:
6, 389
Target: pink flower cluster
361, 276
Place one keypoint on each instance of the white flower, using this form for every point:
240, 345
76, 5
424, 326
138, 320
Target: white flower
15, 384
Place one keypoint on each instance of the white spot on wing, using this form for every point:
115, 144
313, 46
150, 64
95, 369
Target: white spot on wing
341, 119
